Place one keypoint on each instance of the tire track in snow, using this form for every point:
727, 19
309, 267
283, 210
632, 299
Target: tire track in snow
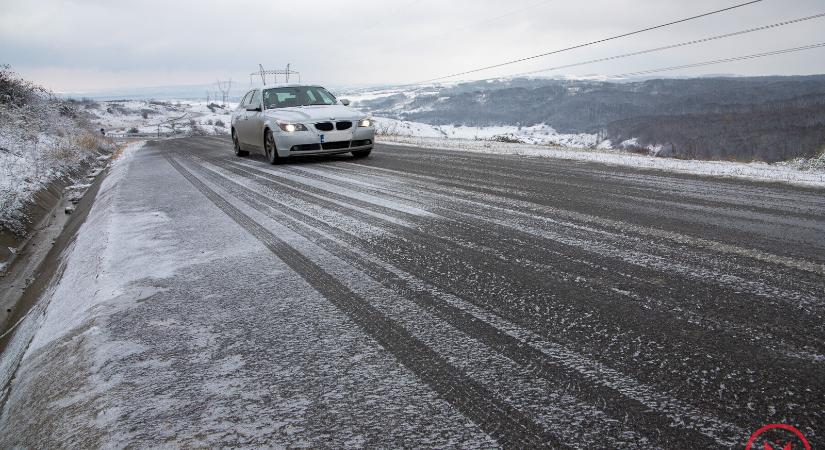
810, 284
713, 354
618, 395
679, 238
508, 425
449, 206
645, 184
657, 263
584, 424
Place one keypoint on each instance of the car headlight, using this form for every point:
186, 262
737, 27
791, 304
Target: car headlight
292, 127
366, 122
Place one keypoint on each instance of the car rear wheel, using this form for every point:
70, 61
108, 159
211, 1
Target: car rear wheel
237, 145
362, 153
269, 148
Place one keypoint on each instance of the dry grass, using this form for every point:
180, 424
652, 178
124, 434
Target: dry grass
87, 141
93, 142
61, 153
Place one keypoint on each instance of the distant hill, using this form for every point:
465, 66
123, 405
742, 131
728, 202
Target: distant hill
754, 118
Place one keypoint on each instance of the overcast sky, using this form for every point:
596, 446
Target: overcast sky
72, 46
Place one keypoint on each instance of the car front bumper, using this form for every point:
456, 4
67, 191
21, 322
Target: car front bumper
314, 143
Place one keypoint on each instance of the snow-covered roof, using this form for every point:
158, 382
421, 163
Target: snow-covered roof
280, 85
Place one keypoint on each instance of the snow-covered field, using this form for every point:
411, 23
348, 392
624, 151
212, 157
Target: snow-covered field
164, 117
540, 134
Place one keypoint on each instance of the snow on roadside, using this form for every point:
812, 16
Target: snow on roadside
757, 171
48, 319
71, 301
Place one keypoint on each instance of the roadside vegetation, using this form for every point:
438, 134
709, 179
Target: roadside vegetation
42, 139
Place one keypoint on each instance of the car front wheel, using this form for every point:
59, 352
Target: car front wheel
269, 148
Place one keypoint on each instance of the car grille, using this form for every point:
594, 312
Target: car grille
305, 147
324, 126
345, 125
335, 145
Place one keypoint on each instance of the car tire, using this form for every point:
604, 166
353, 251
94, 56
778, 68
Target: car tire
362, 153
269, 148
237, 145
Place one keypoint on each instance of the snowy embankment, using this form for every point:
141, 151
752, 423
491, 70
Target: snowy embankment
543, 141
41, 140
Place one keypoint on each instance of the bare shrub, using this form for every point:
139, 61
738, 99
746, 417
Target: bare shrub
17, 91
506, 138
219, 123
68, 110
195, 129
133, 130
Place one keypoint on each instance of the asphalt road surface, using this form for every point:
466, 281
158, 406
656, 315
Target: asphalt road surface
437, 298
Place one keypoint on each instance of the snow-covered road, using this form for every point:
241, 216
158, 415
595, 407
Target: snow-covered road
426, 298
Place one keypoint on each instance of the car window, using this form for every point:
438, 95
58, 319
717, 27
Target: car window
245, 100
256, 99
290, 96
326, 97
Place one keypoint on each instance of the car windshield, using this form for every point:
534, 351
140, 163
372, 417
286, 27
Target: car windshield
285, 97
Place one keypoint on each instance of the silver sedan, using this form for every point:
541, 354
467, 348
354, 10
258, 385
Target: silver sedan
286, 120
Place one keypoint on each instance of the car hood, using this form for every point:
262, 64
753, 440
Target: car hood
315, 113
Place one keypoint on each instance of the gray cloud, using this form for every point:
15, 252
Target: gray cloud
87, 45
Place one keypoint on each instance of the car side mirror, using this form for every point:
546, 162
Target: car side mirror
345, 102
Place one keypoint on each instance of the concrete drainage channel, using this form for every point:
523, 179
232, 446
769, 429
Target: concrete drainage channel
37, 263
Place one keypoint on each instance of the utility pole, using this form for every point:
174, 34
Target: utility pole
264, 72
224, 87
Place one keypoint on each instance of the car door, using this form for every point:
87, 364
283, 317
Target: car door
239, 118
254, 124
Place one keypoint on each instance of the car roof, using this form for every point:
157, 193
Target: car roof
280, 85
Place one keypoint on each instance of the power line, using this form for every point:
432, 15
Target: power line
668, 47
457, 29
473, 24
719, 61
527, 58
